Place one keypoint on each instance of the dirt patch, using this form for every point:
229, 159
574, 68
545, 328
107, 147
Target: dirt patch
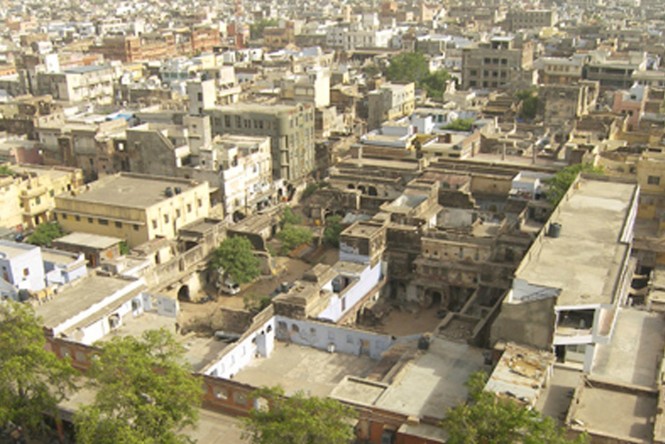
403, 323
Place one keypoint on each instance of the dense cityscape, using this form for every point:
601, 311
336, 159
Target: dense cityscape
385, 222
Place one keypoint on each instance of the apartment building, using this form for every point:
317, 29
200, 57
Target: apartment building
389, 102
290, 128
84, 83
531, 19
495, 64
133, 207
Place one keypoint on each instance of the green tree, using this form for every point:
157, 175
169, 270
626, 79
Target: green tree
289, 217
256, 29
124, 248
460, 125
298, 420
333, 230
5, 170
559, 184
407, 67
236, 258
144, 392
32, 380
45, 233
530, 103
488, 418
292, 236
434, 84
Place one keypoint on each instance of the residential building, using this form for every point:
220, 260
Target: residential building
85, 83
496, 64
390, 101
567, 289
22, 266
518, 19
133, 207
290, 128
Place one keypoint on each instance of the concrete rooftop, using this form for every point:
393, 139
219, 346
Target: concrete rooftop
297, 368
433, 382
633, 355
130, 191
585, 261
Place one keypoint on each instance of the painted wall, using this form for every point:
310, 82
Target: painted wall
261, 341
341, 303
325, 336
25, 270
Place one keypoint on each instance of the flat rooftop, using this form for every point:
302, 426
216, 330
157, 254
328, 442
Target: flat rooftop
585, 261
81, 295
628, 420
200, 350
10, 250
296, 367
633, 355
87, 240
132, 191
434, 381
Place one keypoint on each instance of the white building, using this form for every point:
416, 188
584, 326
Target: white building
22, 266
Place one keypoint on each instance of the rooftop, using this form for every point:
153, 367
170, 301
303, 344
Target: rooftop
135, 191
296, 367
633, 355
433, 382
75, 299
11, 250
585, 262
87, 240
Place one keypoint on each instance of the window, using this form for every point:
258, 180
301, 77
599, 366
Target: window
78, 218
38, 200
26, 272
227, 121
51, 193
64, 216
166, 218
136, 227
103, 222
118, 224
90, 220
189, 208
154, 224
240, 398
177, 213
200, 203
653, 180
221, 393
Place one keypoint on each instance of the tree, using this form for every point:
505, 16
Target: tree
145, 392
488, 418
333, 230
559, 184
530, 102
407, 67
460, 125
236, 257
256, 29
32, 380
298, 420
434, 84
5, 170
289, 217
292, 236
45, 233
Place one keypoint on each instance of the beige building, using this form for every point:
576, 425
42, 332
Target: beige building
28, 198
84, 83
390, 102
496, 64
134, 207
290, 128
531, 19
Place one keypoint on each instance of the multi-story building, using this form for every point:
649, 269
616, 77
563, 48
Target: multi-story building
85, 83
531, 19
27, 197
290, 128
241, 168
615, 71
560, 70
312, 87
389, 102
21, 265
134, 207
496, 64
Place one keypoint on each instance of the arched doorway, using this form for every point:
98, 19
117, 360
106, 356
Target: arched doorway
183, 294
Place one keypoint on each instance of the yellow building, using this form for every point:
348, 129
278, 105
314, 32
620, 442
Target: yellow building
27, 198
134, 207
